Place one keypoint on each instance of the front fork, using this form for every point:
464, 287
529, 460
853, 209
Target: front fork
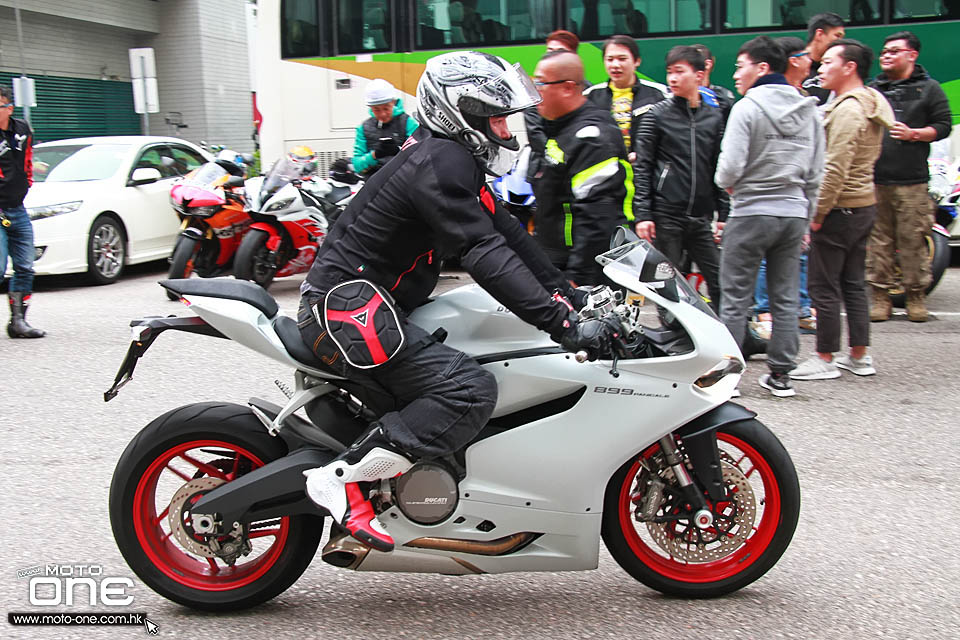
702, 517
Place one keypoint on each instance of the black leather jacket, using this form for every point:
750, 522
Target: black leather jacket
429, 203
581, 190
918, 102
677, 150
645, 94
16, 163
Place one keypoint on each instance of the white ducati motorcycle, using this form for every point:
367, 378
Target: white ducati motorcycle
690, 493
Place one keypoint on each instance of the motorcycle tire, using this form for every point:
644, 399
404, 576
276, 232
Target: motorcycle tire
939, 246
182, 259
208, 443
744, 546
253, 261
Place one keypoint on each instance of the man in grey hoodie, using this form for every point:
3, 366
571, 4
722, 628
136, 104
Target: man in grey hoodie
771, 163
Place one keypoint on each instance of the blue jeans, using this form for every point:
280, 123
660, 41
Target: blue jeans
762, 300
17, 242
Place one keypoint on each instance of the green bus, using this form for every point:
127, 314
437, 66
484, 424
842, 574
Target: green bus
314, 57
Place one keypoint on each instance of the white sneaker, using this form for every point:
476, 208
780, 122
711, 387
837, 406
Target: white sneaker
862, 366
814, 368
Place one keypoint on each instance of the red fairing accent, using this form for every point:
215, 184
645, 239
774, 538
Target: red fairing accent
357, 520
487, 199
367, 329
28, 160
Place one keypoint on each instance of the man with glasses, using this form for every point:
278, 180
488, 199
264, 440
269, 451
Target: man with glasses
16, 230
585, 185
904, 211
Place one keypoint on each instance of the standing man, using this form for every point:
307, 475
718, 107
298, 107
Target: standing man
380, 136
904, 211
723, 96
823, 30
676, 149
16, 230
625, 95
855, 122
771, 163
585, 187
559, 40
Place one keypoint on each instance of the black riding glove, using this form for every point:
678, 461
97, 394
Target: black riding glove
385, 148
592, 336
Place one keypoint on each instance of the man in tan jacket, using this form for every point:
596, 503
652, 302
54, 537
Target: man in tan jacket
846, 208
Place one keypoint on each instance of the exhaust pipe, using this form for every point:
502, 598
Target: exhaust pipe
498, 547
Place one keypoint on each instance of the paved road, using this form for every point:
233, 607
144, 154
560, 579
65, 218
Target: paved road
873, 556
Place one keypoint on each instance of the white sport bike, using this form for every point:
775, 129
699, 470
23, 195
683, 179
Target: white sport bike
689, 492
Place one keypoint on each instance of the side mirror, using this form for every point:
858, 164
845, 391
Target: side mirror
234, 181
623, 235
144, 175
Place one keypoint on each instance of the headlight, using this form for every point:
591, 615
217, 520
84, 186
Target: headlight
280, 204
36, 213
719, 371
201, 212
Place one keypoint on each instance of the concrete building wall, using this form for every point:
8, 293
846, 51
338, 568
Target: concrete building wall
200, 48
137, 15
58, 46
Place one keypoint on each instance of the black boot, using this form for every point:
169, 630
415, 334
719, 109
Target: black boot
18, 327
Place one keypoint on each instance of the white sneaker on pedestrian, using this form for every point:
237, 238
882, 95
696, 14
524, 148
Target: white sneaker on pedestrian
814, 368
860, 366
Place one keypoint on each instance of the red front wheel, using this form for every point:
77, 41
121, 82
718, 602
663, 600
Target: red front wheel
175, 460
646, 534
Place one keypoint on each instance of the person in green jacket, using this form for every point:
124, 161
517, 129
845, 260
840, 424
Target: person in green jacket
380, 136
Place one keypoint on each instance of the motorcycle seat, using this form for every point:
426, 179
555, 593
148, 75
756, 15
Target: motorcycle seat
289, 334
337, 194
226, 288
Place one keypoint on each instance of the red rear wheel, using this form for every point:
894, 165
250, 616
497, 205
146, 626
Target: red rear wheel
176, 459
750, 530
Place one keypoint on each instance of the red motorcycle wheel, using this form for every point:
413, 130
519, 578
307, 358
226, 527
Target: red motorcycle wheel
170, 464
750, 533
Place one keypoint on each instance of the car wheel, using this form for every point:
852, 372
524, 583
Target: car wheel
106, 250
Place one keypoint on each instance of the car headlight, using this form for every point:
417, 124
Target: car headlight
37, 213
720, 371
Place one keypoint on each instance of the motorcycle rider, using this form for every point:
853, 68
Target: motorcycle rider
379, 137
428, 203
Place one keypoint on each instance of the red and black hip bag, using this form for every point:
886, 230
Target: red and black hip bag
362, 321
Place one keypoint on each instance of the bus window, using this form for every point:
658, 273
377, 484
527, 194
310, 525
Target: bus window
598, 19
795, 13
363, 25
925, 9
299, 29
454, 23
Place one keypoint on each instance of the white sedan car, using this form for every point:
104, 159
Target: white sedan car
99, 204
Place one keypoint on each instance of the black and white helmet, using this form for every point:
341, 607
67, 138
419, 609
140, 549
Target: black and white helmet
460, 91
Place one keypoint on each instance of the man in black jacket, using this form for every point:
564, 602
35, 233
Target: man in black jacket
583, 188
677, 149
16, 230
823, 29
904, 212
428, 203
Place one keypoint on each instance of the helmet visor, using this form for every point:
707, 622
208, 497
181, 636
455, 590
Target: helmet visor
509, 92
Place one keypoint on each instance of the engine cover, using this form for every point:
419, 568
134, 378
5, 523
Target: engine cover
427, 493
